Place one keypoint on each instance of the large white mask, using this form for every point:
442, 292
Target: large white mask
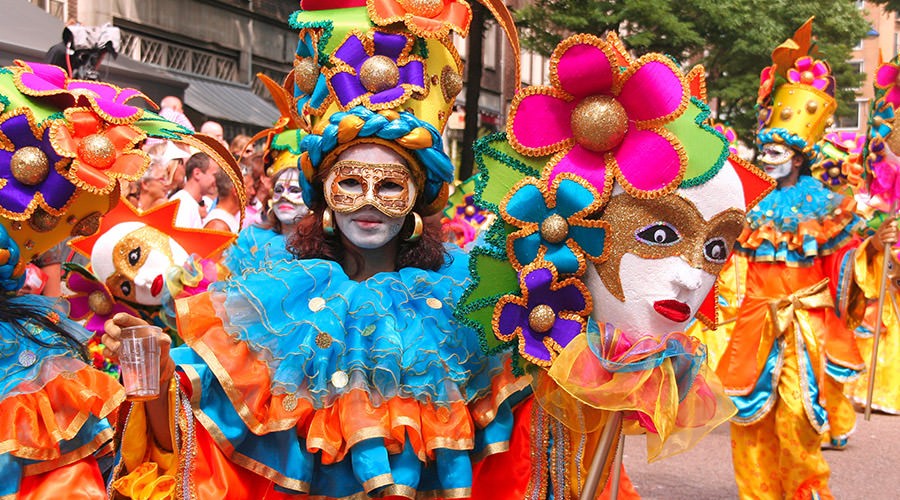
287, 197
368, 225
665, 254
132, 259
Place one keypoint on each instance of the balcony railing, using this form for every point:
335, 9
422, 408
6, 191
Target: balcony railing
179, 57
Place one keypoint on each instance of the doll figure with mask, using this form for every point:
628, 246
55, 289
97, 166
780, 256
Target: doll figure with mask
340, 372
593, 273
66, 145
789, 350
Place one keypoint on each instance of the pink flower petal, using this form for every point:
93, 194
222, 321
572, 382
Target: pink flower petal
587, 164
585, 70
542, 121
44, 77
820, 69
803, 63
647, 161
793, 75
893, 96
886, 75
654, 91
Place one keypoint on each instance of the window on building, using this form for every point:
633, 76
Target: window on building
56, 8
852, 118
858, 68
489, 50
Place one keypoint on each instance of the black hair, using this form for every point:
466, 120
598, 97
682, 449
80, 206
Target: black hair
18, 313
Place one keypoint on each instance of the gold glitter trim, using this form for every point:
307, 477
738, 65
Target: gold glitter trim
102, 440
378, 481
407, 20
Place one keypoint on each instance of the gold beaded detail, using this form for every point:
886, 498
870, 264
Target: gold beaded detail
554, 228
451, 83
306, 74
289, 403
812, 106
29, 165
470, 210
787, 113
379, 73
541, 318
97, 150
87, 226
41, 221
599, 123
323, 340
99, 303
424, 8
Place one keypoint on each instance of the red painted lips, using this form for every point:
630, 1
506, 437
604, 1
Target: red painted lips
674, 310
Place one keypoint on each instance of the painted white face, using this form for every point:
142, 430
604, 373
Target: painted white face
369, 226
777, 160
665, 255
132, 259
287, 197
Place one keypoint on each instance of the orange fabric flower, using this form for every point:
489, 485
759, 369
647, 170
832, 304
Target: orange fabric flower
424, 18
101, 152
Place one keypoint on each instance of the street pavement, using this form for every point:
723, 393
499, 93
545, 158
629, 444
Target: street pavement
868, 469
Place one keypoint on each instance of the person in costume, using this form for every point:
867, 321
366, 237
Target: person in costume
788, 348
860, 306
597, 263
341, 372
64, 147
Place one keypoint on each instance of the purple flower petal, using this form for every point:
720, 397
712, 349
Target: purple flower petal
387, 95
534, 344
564, 331
512, 316
390, 45
352, 52
347, 87
413, 73
538, 284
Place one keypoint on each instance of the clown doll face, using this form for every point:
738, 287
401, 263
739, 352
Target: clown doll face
132, 259
287, 197
665, 255
371, 191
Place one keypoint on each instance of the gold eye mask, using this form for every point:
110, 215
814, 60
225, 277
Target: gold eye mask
388, 187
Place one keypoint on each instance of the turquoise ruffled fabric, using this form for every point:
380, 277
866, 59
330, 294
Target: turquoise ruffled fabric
786, 209
393, 335
26, 366
254, 247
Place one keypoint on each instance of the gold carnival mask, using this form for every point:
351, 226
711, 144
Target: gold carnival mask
388, 187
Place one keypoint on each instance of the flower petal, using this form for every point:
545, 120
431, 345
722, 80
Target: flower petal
527, 204
567, 298
534, 346
526, 248
542, 121
564, 331
512, 316
586, 164
413, 73
572, 197
389, 44
892, 96
632, 156
346, 87
592, 240
886, 75
387, 95
562, 257
653, 92
43, 78
538, 282
352, 52
584, 70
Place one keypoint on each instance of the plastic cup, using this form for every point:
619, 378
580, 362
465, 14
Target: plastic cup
139, 362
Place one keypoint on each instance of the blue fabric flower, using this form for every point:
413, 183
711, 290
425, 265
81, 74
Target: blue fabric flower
553, 222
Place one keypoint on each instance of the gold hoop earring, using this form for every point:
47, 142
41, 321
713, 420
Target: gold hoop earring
328, 222
418, 227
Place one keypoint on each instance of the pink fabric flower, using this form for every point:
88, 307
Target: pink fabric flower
886, 79
602, 123
809, 71
92, 301
730, 136
848, 141
108, 101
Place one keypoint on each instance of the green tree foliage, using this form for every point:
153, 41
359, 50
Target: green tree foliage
733, 39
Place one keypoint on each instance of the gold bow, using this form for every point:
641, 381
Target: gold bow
784, 309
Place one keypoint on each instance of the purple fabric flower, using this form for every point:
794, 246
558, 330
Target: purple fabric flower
379, 78
547, 316
107, 100
20, 199
474, 215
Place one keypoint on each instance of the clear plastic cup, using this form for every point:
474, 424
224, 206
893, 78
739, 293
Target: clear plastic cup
139, 362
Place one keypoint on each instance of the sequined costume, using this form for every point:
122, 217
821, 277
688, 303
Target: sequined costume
796, 245
296, 378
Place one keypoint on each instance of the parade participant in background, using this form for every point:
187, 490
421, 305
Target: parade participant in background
860, 307
342, 372
787, 338
463, 220
619, 206
226, 214
200, 183
65, 147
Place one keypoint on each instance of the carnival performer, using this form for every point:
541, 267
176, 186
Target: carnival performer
64, 146
787, 338
342, 372
597, 263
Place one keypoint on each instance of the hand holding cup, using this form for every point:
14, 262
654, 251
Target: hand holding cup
142, 351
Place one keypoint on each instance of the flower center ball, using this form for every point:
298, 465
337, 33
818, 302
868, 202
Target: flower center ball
554, 228
425, 8
541, 318
379, 73
306, 74
599, 123
97, 150
29, 165
99, 303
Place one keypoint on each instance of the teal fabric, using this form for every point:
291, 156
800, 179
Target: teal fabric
254, 247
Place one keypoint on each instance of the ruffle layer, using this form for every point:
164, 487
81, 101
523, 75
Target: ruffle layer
55, 407
256, 247
663, 385
796, 224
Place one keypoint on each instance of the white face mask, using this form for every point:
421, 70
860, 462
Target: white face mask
777, 160
287, 198
368, 227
